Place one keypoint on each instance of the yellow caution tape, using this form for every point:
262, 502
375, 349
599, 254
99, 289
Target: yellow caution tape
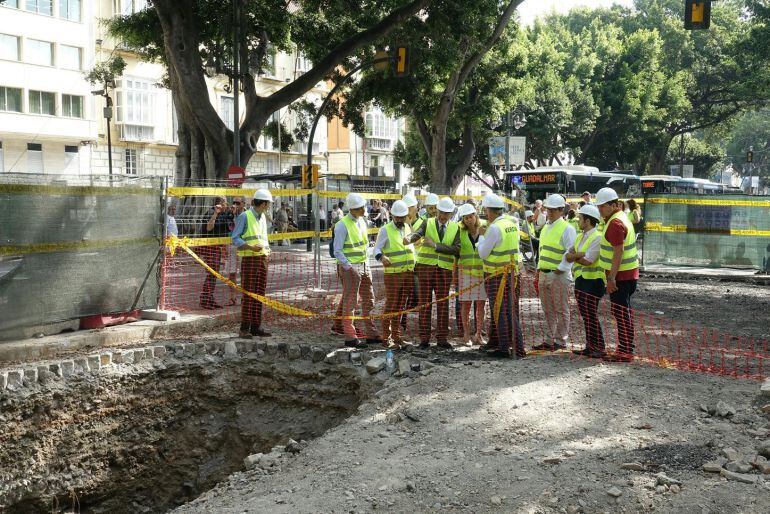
33, 189
659, 227
69, 246
231, 191
368, 196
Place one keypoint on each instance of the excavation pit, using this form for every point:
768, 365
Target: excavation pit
152, 435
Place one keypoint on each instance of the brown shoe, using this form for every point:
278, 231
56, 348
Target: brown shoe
244, 335
261, 333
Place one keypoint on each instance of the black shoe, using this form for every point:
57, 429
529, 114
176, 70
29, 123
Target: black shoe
424, 345
558, 346
355, 343
500, 354
585, 352
444, 344
376, 342
543, 346
520, 355
260, 333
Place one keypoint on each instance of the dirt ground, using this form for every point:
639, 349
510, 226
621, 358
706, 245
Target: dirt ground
546, 434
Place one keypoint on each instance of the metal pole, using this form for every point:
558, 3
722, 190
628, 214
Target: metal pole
236, 86
279, 141
109, 132
507, 142
681, 155
164, 202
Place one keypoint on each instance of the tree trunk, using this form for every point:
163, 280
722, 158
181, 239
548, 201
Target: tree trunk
656, 164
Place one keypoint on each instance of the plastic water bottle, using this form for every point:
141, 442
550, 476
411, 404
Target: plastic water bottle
390, 362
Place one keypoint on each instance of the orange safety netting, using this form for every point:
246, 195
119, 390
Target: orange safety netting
206, 278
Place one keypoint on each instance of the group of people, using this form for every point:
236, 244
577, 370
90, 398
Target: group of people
422, 255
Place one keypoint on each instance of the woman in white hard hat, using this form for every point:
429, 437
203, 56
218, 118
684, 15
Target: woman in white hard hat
398, 262
250, 238
470, 274
589, 279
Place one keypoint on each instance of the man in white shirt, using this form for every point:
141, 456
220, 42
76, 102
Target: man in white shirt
540, 215
590, 280
351, 252
171, 228
554, 274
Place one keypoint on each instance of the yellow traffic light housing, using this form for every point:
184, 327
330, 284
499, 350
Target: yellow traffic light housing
402, 61
697, 14
310, 174
750, 156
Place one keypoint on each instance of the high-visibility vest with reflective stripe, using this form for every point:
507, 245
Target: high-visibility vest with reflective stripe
430, 256
551, 249
356, 242
524, 234
593, 271
255, 233
575, 224
401, 257
470, 262
630, 259
418, 223
506, 252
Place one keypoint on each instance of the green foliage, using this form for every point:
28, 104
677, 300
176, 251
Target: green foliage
751, 129
106, 72
287, 137
705, 154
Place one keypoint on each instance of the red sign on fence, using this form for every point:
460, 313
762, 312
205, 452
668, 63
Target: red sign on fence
235, 175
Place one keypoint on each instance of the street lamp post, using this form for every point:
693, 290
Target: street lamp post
105, 92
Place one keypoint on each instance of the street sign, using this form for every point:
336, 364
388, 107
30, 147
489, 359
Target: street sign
687, 170
235, 176
517, 149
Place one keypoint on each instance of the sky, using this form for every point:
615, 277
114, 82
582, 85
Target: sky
532, 9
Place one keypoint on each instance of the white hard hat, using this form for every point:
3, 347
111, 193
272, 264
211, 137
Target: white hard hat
527, 214
399, 208
432, 199
590, 210
263, 194
492, 201
446, 205
554, 202
355, 201
606, 194
410, 200
465, 209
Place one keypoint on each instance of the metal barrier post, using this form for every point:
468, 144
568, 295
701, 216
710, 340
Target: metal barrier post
161, 303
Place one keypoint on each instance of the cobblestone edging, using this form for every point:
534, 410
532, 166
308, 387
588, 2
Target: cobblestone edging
19, 377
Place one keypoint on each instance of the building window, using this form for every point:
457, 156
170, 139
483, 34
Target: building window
38, 52
72, 106
132, 161
10, 99
10, 3
136, 101
71, 160
2, 162
9, 47
34, 158
378, 125
270, 57
69, 9
40, 6
226, 110
70, 57
132, 6
41, 102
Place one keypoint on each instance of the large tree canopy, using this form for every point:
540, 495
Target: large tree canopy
186, 34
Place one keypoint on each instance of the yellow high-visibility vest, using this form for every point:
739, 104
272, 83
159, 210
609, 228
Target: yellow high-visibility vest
255, 233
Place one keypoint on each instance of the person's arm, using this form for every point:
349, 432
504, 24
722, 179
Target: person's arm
417, 234
240, 227
453, 249
212, 219
592, 253
567, 241
382, 239
340, 236
488, 241
616, 236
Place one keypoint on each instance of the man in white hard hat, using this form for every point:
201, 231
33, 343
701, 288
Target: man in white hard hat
250, 238
411, 219
590, 279
554, 274
586, 196
398, 262
435, 262
499, 252
431, 209
529, 235
351, 251
618, 257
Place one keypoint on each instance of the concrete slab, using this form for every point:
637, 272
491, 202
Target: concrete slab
694, 272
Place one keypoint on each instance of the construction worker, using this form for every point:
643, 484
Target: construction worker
470, 274
411, 300
350, 250
411, 203
250, 239
431, 204
554, 273
398, 261
529, 235
435, 261
499, 250
618, 257
590, 279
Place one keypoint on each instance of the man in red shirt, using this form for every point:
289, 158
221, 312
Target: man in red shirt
618, 257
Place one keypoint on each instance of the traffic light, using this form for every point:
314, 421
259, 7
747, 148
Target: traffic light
310, 175
697, 14
750, 156
401, 61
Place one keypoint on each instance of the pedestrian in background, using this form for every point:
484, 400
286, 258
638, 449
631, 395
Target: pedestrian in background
337, 213
282, 222
171, 227
590, 280
618, 257
554, 274
218, 226
353, 270
635, 216
398, 261
250, 238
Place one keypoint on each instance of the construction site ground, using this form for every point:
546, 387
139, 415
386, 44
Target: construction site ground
465, 433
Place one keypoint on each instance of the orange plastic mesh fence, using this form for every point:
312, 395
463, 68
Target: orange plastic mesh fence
292, 301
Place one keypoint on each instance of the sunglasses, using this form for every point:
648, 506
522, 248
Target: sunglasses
237, 203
